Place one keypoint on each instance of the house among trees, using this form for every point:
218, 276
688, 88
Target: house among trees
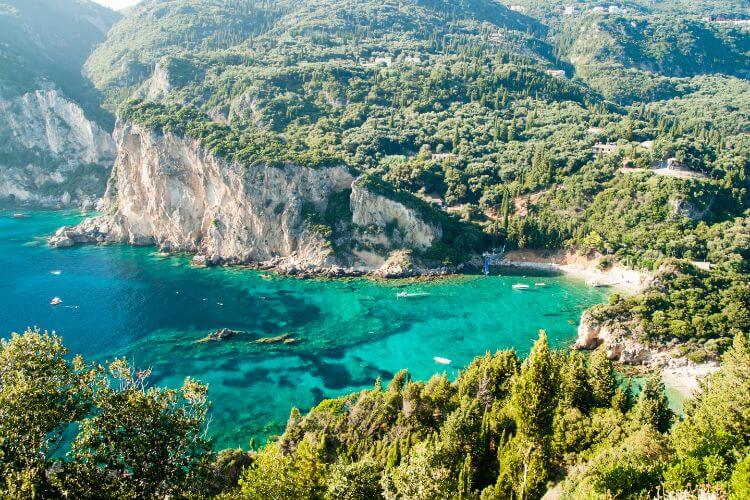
557, 73
442, 156
673, 164
378, 61
604, 149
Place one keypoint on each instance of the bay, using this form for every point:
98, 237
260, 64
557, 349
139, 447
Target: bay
126, 301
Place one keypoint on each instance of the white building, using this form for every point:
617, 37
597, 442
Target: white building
557, 73
604, 149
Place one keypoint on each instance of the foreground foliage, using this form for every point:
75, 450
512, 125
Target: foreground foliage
505, 428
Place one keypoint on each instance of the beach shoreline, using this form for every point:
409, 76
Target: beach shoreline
686, 379
618, 278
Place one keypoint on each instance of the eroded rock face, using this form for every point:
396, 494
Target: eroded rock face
168, 191
52, 154
619, 344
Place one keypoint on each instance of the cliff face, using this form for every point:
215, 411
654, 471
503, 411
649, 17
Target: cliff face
168, 191
620, 344
51, 154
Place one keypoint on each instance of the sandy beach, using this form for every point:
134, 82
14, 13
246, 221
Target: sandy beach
686, 379
621, 279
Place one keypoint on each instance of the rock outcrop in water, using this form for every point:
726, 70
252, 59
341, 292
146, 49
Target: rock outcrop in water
52, 154
168, 191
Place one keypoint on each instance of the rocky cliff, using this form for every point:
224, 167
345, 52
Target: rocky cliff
168, 191
619, 343
51, 154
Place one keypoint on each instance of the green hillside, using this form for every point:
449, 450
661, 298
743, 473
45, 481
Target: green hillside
46, 42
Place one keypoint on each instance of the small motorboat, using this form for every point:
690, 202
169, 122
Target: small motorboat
56, 272
442, 361
20, 216
411, 295
596, 283
56, 301
540, 284
520, 286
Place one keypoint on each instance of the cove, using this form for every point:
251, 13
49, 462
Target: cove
126, 301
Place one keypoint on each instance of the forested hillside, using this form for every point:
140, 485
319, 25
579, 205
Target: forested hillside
490, 111
44, 41
619, 132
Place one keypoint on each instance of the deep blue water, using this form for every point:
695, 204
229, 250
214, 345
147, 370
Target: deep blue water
120, 300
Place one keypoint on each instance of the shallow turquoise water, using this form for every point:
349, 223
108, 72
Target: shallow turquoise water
120, 300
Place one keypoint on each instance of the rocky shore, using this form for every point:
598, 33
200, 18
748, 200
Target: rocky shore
678, 373
105, 229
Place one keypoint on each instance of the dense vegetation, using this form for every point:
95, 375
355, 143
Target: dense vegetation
454, 102
698, 310
505, 428
44, 43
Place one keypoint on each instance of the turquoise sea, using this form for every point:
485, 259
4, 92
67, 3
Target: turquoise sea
125, 301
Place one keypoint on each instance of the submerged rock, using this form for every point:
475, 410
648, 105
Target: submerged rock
221, 334
285, 339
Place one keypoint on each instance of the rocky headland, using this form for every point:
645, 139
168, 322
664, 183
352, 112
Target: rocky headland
170, 192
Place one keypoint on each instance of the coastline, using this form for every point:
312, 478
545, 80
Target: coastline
678, 374
618, 278
686, 379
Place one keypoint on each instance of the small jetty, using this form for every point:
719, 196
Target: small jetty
56, 301
521, 286
442, 361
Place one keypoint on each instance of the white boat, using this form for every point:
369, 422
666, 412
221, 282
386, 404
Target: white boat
20, 216
540, 284
56, 273
56, 301
520, 286
411, 295
595, 283
442, 361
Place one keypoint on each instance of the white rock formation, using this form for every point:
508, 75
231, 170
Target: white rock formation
51, 153
168, 191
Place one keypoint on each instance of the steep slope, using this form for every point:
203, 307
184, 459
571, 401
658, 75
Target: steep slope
218, 34
55, 148
169, 190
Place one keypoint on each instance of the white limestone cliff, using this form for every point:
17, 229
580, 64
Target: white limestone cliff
168, 191
51, 154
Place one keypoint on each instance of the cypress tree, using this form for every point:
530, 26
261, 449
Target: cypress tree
602, 378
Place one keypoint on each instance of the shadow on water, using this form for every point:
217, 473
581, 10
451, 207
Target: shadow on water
153, 309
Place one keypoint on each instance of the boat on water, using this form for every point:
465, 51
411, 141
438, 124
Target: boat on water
442, 361
56, 272
56, 301
595, 283
540, 284
20, 216
520, 286
411, 295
